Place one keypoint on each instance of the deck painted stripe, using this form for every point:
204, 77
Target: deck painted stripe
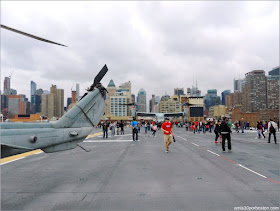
12, 161
252, 171
93, 135
15, 157
236, 163
213, 152
273, 181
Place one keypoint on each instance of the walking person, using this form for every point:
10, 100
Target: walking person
105, 126
146, 128
225, 134
166, 127
112, 128
272, 127
118, 127
217, 130
259, 130
134, 125
242, 125
236, 126
122, 126
154, 130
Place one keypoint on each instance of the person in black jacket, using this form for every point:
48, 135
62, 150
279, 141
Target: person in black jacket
217, 130
225, 133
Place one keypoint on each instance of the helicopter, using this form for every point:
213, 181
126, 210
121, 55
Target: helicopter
64, 134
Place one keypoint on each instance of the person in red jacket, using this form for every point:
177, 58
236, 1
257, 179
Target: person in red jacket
166, 127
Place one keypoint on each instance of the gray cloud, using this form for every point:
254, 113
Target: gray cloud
157, 45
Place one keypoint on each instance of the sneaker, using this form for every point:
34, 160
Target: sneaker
224, 151
229, 150
166, 151
137, 140
216, 142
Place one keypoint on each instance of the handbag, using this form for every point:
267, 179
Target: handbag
174, 139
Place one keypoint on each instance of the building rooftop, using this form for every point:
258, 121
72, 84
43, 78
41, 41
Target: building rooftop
111, 83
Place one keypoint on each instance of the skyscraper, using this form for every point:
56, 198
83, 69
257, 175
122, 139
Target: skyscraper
47, 105
238, 84
273, 89
38, 100
274, 71
211, 98
223, 94
78, 91
179, 91
254, 95
141, 100
111, 88
7, 84
32, 97
53, 103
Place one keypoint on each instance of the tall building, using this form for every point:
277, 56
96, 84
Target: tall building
4, 103
32, 97
179, 91
274, 71
254, 95
224, 94
7, 83
273, 89
48, 105
111, 88
152, 103
238, 84
194, 92
53, 103
141, 101
121, 97
78, 91
211, 98
133, 98
18, 104
170, 105
38, 100
74, 97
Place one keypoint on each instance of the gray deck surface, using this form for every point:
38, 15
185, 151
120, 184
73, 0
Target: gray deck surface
141, 176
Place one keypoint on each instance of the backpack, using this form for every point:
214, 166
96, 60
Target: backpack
272, 129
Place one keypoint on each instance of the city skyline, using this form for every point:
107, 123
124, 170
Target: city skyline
148, 47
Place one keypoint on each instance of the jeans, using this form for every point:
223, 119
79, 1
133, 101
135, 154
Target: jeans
259, 134
135, 133
224, 137
146, 128
105, 132
113, 132
274, 137
242, 129
217, 135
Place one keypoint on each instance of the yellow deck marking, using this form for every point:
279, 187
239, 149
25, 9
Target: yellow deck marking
22, 155
93, 135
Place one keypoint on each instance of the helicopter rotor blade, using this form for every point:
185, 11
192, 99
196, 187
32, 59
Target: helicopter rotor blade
30, 35
100, 75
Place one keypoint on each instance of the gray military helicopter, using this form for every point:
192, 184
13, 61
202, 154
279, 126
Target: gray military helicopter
71, 129
64, 134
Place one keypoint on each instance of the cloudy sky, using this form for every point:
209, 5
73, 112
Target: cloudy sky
157, 45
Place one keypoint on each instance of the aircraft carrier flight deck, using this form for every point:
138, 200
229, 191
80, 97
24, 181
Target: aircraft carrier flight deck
119, 174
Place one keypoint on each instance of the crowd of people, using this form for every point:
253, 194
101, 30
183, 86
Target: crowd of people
221, 128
